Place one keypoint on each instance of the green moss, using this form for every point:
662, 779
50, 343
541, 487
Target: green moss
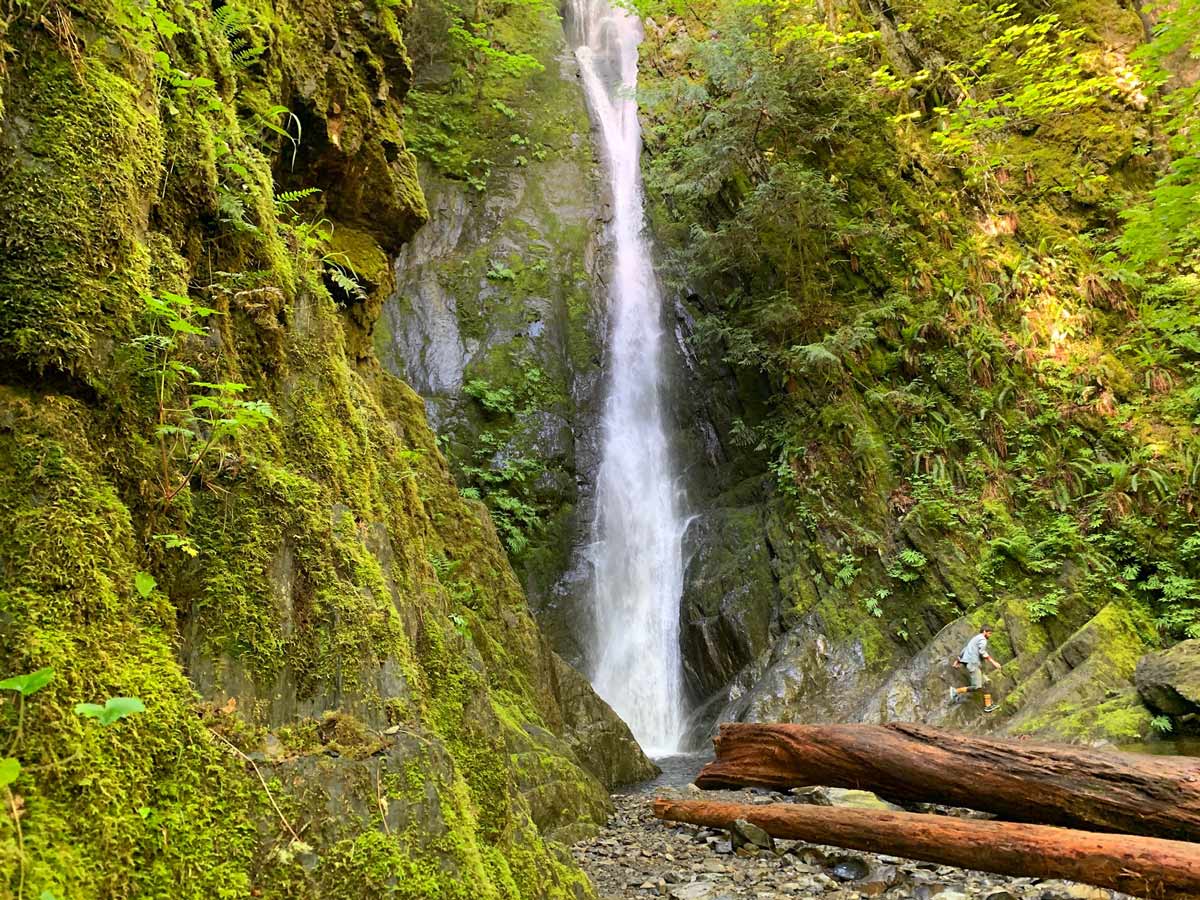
109, 811
307, 604
75, 184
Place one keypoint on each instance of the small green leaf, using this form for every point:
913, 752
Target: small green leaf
144, 812
28, 684
145, 583
114, 708
9, 770
47, 895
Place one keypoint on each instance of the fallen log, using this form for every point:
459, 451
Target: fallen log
1141, 866
1022, 781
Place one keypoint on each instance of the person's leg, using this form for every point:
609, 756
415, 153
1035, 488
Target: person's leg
976, 676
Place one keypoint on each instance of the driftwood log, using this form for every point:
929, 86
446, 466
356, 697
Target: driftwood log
1022, 781
1141, 866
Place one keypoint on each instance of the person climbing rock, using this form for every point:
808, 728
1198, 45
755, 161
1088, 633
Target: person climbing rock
972, 657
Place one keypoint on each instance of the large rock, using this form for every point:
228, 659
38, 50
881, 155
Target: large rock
1169, 680
501, 292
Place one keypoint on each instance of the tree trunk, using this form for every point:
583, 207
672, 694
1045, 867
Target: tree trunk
1022, 781
1142, 866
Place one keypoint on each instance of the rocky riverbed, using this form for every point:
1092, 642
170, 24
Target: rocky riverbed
637, 857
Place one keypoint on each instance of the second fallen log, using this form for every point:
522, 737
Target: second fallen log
1144, 867
1024, 781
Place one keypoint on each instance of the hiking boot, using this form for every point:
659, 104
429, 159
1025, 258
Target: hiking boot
991, 708
955, 696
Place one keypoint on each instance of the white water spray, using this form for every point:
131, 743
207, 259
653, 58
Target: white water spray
638, 528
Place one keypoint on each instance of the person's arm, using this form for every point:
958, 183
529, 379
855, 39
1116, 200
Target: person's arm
992, 660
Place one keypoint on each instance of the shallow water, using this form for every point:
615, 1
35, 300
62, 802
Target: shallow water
678, 770
1188, 746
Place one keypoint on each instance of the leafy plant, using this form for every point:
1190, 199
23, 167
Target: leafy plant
1046, 606
849, 566
113, 710
907, 565
29, 684
144, 583
874, 602
195, 419
460, 625
25, 686
1162, 724
500, 400
178, 542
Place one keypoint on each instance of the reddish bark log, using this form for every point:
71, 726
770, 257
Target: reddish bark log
1023, 781
1141, 866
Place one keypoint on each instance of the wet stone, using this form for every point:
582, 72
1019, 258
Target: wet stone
747, 834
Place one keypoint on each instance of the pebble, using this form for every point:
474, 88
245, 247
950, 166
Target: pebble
637, 857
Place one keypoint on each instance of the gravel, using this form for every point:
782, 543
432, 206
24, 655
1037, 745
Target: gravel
637, 857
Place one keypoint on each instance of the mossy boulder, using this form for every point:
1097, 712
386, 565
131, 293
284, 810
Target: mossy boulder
1169, 681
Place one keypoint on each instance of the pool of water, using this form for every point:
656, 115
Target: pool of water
1187, 746
677, 771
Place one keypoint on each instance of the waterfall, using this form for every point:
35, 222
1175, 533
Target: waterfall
638, 526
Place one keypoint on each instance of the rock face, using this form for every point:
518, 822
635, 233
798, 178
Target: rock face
305, 589
1169, 681
496, 323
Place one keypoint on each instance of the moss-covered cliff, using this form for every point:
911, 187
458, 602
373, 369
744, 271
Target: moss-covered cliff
929, 369
497, 318
901, 226
213, 499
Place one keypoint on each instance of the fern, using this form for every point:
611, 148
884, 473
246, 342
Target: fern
344, 280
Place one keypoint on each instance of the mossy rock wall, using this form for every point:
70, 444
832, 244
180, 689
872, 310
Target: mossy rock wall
884, 442
345, 693
498, 319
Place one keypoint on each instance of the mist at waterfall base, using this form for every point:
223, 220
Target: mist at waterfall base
639, 527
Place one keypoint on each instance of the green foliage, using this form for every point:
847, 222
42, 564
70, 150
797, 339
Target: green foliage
848, 569
192, 425
1165, 229
29, 684
916, 259
1027, 74
500, 400
145, 583
1046, 606
874, 602
906, 565
491, 51
113, 710
10, 770
1162, 724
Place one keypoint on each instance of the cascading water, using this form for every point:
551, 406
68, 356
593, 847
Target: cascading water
638, 528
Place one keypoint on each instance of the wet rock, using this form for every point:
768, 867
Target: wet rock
813, 796
928, 890
849, 868
747, 834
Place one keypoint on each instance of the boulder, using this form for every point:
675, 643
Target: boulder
1168, 681
747, 834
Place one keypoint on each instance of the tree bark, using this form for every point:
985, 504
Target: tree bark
1141, 866
1023, 781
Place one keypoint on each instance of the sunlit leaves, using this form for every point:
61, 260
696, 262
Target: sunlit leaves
113, 710
29, 684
